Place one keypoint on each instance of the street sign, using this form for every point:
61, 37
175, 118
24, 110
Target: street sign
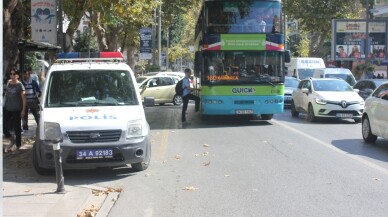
146, 43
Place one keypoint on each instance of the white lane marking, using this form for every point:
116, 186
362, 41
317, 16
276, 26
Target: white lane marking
328, 145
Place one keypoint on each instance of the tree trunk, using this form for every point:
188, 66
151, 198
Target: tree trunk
131, 57
12, 30
99, 31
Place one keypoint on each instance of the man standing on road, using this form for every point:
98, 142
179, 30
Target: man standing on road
187, 95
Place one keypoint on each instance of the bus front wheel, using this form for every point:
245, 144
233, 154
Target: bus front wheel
266, 117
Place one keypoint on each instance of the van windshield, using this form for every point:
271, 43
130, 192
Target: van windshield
346, 77
305, 73
90, 88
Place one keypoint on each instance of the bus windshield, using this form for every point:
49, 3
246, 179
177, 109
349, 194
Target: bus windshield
249, 16
243, 67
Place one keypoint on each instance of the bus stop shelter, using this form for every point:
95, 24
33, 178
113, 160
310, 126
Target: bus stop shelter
25, 46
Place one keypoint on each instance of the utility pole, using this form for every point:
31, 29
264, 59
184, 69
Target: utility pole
159, 35
60, 26
168, 45
154, 39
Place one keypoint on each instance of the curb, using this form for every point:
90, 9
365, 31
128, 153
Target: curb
99, 203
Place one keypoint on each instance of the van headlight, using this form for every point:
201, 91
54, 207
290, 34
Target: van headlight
134, 129
52, 132
320, 100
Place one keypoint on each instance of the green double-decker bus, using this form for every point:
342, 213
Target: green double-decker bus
239, 57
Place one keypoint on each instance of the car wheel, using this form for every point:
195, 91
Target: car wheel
143, 165
310, 113
367, 132
267, 117
294, 112
177, 100
35, 161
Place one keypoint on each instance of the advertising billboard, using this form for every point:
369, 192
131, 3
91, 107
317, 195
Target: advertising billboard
44, 21
359, 40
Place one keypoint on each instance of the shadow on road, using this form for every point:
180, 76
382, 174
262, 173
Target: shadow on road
169, 117
377, 150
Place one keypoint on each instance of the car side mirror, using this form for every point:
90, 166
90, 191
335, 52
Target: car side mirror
305, 90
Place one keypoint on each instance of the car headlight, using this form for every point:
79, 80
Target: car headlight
320, 100
134, 129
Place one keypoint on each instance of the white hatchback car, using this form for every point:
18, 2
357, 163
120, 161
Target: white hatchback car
375, 117
327, 98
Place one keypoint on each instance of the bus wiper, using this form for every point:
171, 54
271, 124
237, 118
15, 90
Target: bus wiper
269, 83
266, 81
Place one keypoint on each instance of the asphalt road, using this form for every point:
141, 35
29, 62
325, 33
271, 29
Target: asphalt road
236, 167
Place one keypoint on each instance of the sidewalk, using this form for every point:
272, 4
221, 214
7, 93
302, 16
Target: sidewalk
26, 193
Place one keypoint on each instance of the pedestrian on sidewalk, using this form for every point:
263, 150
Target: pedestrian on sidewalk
187, 94
15, 105
32, 91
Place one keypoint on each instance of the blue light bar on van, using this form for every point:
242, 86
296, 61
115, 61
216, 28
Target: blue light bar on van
94, 55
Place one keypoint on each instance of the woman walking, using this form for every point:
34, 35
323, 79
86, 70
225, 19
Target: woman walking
15, 106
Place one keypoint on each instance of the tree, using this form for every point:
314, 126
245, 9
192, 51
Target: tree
12, 32
84, 42
314, 18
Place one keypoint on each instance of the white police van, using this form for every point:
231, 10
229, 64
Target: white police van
96, 105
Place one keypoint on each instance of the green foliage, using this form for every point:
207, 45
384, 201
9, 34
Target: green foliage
152, 68
84, 42
302, 49
315, 19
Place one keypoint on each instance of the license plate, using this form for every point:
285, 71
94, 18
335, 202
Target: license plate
344, 115
94, 154
244, 112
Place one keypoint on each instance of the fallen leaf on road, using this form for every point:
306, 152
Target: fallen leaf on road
205, 145
147, 174
27, 190
191, 188
205, 153
206, 163
178, 157
377, 179
227, 175
89, 212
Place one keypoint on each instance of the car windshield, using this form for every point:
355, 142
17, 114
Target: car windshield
90, 88
346, 77
289, 82
331, 85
